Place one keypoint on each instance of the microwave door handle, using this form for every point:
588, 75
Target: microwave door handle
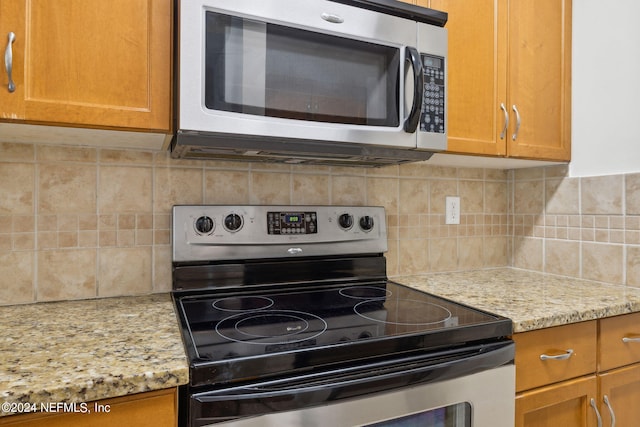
412, 55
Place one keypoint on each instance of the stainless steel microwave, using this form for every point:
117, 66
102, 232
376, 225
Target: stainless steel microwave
348, 82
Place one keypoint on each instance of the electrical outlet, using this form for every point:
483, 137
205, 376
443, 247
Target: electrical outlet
452, 210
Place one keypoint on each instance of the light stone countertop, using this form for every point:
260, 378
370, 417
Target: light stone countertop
532, 300
81, 351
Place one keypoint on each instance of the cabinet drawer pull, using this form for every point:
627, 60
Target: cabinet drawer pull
630, 339
8, 62
564, 356
515, 134
613, 414
506, 121
595, 408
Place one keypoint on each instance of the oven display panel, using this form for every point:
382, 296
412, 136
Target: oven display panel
292, 223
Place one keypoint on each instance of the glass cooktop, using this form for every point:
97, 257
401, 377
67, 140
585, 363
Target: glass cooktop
233, 336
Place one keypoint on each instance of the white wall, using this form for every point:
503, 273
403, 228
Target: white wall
606, 87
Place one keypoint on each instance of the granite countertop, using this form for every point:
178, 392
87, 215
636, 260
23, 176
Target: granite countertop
532, 300
80, 351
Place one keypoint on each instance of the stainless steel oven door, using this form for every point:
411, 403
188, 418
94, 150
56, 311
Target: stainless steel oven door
470, 388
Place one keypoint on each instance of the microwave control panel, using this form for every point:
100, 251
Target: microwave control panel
433, 99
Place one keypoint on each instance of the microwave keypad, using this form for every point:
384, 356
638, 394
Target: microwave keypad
433, 98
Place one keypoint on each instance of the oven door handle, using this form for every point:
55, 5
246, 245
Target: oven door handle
330, 386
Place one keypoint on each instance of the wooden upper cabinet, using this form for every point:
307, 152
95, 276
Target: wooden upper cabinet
540, 78
506, 53
476, 74
90, 63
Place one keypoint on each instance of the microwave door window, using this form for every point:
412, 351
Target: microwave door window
271, 70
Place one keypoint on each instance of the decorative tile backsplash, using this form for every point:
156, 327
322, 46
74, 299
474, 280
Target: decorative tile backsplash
578, 227
84, 222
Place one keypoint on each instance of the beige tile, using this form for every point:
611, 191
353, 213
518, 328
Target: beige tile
414, 196
442, 172
471, 173
443, 254
270, 188
495, 251
66, 274
124, 271
383, 192
392, 170
602, 195
633, 266
311, 189
162, 268
10, 152
413, 256
632, 194
495, 197
348, 190
562, 257
470, 253
527, 252
63, 153
125, 189
126, 157
529, 173
602, 262
416, 170
439, 190
560, 171
471, 196
496, 174
176, 186
67, 189
226, 187
18, 188
528, 197
562, 196
16, 277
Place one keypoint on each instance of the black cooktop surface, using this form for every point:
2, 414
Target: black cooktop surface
233, 336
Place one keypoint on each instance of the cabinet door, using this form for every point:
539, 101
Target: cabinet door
476, 74
150, 409
539, 76
12, 21
563, 404
95, 63
622, 389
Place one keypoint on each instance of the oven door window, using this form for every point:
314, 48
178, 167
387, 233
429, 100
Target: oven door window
451, 416
271, 70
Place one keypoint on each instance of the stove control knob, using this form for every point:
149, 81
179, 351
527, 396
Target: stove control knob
366, 223
345, 221
204, 225
233, 222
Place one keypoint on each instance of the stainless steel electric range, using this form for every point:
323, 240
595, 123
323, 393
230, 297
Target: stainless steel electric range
288, 319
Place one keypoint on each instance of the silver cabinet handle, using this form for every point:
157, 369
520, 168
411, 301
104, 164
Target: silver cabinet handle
613, 415
595, 408
506, 121
564, 356
515, 110
8, 62
629, 339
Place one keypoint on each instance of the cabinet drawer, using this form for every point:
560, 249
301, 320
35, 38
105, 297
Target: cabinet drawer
574, 349
619, 341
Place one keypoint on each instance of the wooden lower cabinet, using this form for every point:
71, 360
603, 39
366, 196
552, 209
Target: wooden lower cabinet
622, 390
560, 405
598, 384
150, 409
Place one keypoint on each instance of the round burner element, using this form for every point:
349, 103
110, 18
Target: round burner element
406, 312
365, 292
242, 303
271, 327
